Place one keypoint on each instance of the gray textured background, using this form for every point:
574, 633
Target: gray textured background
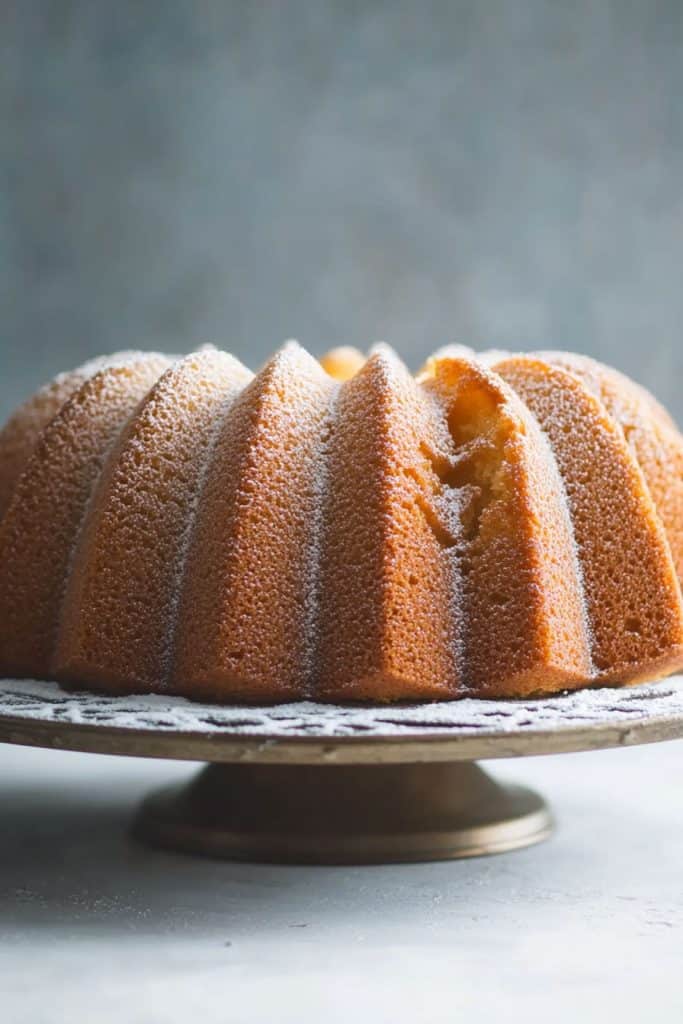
491, 172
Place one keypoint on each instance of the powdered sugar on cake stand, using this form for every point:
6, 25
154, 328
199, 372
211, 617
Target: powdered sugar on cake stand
167, 726
404, 786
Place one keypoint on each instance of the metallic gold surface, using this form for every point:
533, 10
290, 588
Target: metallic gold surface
343, 815
325, 784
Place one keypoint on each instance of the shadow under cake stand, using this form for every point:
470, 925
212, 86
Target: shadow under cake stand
317, 783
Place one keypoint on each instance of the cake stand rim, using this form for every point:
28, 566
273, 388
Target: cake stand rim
429, 745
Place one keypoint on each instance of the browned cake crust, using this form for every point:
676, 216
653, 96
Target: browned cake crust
388, 603
630, 584
522, 613
21, 432
119, 608
39, 530
247, 613
650, 433
497, 526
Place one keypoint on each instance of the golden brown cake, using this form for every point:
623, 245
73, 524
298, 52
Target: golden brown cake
500, 525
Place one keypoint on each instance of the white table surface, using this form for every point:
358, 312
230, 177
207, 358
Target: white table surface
95, 928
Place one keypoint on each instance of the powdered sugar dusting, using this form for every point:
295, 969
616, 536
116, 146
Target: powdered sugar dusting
46, 702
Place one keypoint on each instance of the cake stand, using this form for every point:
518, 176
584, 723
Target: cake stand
316, 783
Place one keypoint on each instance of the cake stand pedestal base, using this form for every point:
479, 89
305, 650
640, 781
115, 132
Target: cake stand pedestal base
343, 814
340, 784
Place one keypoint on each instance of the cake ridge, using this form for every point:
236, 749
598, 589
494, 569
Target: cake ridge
590, 448
116, 621
517, 491
22, 430
46, 513
220, 418
250, 460
377, 549
499, 524
653, 439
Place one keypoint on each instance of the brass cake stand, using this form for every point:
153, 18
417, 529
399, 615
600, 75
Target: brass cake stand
325, 784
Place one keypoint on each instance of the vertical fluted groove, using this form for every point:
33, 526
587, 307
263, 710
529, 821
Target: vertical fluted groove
39, 533
232, 395
630, 584
21, 432
387, 621
243, 630
322, 482
191, 527
650, 433
522, 609
116, 616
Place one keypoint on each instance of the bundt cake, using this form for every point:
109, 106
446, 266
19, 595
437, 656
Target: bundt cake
499, 525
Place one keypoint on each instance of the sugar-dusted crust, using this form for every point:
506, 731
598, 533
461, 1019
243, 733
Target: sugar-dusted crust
389, 603
40, 529
21, 432
630, 584
247, 612
522, 612
497, 526
119, 610
649, 431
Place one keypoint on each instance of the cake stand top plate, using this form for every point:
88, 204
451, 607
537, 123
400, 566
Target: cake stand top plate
42, 714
